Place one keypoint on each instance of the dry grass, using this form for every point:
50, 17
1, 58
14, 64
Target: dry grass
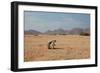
67, 47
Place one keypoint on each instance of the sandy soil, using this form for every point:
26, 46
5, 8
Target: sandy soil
68, 47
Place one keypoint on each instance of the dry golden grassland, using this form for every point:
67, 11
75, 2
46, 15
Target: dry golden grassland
68, 47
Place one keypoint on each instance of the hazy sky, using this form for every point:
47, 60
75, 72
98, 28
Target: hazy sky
43, 21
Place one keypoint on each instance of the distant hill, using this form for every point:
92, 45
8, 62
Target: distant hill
87, 30
57, 31
74, 31
34, 32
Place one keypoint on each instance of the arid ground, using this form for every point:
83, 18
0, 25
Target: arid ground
68, 47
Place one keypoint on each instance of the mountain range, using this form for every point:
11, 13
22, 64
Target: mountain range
59, 31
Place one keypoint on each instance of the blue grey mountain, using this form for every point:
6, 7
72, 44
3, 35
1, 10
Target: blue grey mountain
34, 32
74, 31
